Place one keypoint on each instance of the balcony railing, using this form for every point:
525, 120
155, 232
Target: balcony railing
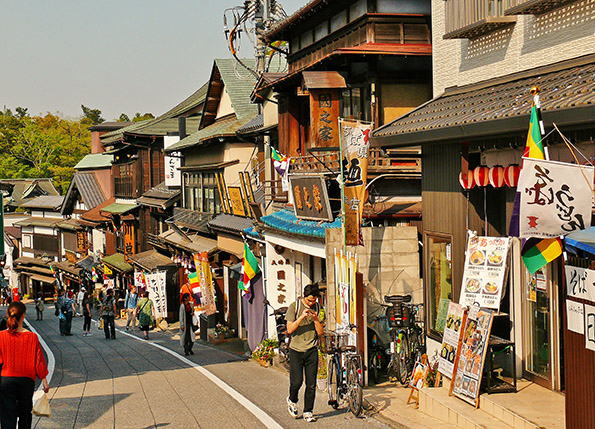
466, 19
123, 187
533, 7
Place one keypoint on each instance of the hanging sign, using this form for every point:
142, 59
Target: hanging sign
485, 271
575, 316
109, 283
324, 112
281, 277
450, 340
81, 241
469, 369
580, 283
589, 327
107, 270
355, 144
556, 198
128, 240
157, 292
172, 163
237, 201
310, 197
203, 270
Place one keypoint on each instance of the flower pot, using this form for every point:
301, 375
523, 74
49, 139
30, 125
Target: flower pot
221, 336
264, 362
322, 384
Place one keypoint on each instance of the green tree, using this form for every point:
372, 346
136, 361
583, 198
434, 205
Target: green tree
123, 118
93, 115
138, 117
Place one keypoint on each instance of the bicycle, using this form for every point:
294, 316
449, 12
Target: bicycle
407, 342
345, 377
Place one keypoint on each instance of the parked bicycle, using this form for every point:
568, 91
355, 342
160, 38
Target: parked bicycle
282, 335
376, 351
345, 377
407, 338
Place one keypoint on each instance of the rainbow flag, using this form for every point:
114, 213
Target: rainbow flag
94, 275
280, 162
193, 277
249, 270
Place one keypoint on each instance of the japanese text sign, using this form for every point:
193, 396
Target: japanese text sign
172, 163
450, 341
556, 198
580, 283
310, 197
589, 327
324, 112
485, 271
157, 292
129, 248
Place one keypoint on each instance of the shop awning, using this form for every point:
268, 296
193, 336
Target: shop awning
285, 221
68, 267
150, 260
193, 243
44, 279
118, 262
583, 240
230, 223
119, 208
499, 106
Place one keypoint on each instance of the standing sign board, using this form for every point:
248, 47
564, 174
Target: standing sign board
451, 339
476, 334
485, 271
556, 198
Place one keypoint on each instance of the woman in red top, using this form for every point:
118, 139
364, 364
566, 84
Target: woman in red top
22, 362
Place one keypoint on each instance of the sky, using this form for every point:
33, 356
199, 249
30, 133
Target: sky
118, 56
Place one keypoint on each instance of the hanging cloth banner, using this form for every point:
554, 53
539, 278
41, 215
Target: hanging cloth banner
203, 269
157, 292
355, 145
556, 198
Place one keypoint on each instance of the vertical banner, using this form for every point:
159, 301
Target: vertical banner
203, 270
354, 144
128, 240
157, 292
324, 112
172, 163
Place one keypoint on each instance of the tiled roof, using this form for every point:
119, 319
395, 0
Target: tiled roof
118, 261
197, 242
253, 125
95, 160
191, 219
95, 215
23, 190
284, 220
88, 187
70, 224
119, 208
110, 138
165, 126
224, 127
48, 222
499, 105
230, 223
67, 266
239, 87
150, 260
50, 202
159, 196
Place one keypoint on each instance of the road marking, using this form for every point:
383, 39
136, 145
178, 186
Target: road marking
241, 399
51, 358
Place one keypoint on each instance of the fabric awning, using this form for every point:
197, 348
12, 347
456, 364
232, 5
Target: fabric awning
119, 208
583, 240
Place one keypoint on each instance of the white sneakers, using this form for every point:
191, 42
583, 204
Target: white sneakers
293, 412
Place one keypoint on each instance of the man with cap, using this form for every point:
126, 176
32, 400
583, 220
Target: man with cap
79, 300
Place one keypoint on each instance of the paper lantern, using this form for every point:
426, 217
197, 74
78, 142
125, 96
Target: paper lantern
511, 175
466, 181
496, 176
480, 175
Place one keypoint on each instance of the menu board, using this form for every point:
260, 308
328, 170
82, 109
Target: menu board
450, 339
485, 271
418, 377
476, 335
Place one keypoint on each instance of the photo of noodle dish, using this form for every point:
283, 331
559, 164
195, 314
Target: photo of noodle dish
477, 257
473, 285
490, 288
495, 257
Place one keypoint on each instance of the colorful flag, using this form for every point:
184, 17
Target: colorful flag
280, 162
193, 277
94, 275
537, 253
249, 270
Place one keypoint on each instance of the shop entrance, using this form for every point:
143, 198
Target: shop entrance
541, 329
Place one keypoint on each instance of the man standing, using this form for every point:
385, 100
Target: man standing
304, 323
64, 310
108, 312
79, 300
130, 306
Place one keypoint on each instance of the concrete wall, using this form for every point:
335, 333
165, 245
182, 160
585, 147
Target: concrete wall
389, 262
535, 40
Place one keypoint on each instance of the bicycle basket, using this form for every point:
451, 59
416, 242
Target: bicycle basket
331, 342
399, 316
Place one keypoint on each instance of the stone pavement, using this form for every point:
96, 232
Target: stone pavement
132, 383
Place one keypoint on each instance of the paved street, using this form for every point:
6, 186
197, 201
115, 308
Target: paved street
131, 383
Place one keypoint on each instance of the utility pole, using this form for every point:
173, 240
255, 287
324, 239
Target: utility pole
261, 20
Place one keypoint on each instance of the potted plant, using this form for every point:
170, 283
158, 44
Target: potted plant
265, 351
222, 331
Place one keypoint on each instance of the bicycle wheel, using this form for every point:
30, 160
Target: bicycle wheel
354, 387
403, 355
374, 366
333, 383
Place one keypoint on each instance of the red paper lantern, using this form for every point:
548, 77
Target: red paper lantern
466, 181
496, 176
480, 174
511, 175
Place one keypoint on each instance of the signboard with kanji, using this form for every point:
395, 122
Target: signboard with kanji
237, 201
129, 248
310, 197
324, 113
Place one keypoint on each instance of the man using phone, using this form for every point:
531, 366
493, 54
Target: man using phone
304, 323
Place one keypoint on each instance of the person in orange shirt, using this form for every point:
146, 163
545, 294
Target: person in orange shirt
22, 362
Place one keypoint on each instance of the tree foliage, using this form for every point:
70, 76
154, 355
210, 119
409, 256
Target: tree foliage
42, 146
92, 115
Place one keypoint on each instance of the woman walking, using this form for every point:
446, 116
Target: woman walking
187, 336
146, 314
87, 314
22, 362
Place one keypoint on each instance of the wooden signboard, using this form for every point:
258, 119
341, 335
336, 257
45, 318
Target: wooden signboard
129, 248
324, 115
222, 193
467, 377
81, 241
310, 197
236, 200
246, 194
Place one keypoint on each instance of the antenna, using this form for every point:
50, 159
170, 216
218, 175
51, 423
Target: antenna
252, 20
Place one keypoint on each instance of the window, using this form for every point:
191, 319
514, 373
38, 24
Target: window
201, 192
355, 103
438, 260
339, 20
320, 31
306, 39
357, 9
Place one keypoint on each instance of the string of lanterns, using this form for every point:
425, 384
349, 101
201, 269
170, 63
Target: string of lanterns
496, 176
